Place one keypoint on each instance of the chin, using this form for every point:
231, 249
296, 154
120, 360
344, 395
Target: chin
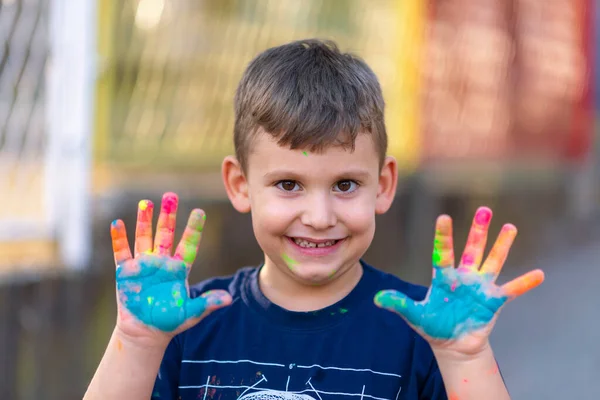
314, 275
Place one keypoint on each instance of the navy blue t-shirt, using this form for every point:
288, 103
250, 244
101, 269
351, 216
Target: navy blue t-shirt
254, 349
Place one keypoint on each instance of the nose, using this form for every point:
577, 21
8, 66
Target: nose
319, 213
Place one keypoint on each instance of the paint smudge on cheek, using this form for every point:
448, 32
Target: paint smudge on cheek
305, 153
453, 396
290, 262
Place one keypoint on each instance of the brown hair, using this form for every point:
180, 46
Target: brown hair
308, 95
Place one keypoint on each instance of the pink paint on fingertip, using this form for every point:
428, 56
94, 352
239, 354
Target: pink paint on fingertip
483, 216
169, 202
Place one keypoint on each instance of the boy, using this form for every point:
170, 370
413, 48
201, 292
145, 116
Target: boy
311, 167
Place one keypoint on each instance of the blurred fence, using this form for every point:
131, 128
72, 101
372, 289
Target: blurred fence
24, 53
170, 69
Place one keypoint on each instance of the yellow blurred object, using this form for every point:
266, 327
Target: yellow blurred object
169, 72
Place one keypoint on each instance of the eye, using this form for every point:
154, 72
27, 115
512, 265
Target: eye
346, 186
287, 186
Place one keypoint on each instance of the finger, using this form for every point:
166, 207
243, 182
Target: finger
443, 247
477, 239
120, 244
495, 260
143, 228
523, 283
188, 246
399, 303
207, 303
165, 228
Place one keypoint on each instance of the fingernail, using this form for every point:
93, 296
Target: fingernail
169, 202
144, 204
214, 299
483, 216
384, 298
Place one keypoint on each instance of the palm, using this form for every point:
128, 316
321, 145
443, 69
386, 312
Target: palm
466, 301
152, 289
462, 303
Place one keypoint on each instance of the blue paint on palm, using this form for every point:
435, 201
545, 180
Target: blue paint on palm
153, 289
458, 302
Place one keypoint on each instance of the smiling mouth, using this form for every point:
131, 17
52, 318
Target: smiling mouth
307, 244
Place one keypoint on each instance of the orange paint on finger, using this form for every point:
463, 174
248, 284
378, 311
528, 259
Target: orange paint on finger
119, 345
120, 243
523, 283
500, 250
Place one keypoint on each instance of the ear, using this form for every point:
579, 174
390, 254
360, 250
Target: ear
388, 181
236, 184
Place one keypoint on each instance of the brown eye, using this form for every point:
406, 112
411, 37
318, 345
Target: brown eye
288, 186
346, 186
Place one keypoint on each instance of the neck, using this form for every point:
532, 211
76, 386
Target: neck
285, 291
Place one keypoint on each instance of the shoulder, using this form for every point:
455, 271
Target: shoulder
231, 283
387, 281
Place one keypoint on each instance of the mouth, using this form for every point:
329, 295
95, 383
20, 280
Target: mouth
309, 243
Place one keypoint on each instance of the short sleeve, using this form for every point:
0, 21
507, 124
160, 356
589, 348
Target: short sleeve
433, 387
167, 381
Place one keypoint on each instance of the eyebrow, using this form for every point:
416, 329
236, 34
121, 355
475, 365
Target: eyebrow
358, 174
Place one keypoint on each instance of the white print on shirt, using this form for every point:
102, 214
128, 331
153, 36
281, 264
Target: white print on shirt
267, 389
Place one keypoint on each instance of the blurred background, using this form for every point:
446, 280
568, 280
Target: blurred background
106, 102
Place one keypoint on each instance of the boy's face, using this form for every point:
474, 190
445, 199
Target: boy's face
314, 214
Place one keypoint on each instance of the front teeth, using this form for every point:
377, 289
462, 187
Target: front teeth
307, 244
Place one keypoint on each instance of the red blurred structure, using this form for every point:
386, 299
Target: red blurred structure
507, 81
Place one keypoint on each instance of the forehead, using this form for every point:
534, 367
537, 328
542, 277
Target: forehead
266, 155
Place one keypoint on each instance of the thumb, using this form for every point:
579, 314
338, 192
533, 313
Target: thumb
207, 303
397, 302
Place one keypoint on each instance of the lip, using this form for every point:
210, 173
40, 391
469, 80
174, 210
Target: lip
313, 240
316, 251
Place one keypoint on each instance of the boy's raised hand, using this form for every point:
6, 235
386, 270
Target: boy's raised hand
462, 304
152, 289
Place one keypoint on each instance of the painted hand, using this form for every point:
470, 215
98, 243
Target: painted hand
152, 288
462, 304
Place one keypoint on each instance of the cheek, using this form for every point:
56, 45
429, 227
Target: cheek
271, 215
357, 217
